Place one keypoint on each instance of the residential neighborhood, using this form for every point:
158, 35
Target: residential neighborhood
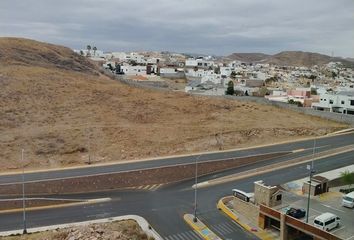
329, 87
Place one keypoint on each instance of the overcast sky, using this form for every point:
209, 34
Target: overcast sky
199, 26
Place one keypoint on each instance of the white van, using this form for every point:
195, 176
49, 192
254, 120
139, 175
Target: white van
326, 221
247, 197
348, 200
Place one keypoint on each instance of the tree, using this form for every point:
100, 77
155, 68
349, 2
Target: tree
230, 88
313, 91
81, 53
217, 70
233, 75
347, 177
94, 50
110, 66
271, 80
334, 75
88, 47
312, 77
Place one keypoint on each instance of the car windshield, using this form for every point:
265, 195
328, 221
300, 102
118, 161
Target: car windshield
318, 223
348, 199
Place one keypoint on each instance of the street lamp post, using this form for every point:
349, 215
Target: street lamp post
312, 171
23, 194
313, 153
195, 219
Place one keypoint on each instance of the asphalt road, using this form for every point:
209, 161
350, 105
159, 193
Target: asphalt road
165, 207
322, 144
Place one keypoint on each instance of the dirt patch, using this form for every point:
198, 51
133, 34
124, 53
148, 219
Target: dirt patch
122, 230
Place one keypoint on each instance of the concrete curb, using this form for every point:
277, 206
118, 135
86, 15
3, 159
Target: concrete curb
200, 228
74, 203
193, 154
140, 220
344, 131
260, 234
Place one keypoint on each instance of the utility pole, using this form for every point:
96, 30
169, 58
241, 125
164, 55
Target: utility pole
309, 192
313, 153
195, 219
23, 193
89, 145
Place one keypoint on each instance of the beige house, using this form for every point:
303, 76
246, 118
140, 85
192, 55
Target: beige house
267, 195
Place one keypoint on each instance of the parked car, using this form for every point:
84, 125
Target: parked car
348, 200
296, 212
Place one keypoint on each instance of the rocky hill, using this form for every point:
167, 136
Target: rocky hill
290, 58
298, 58
248, 57
62, 111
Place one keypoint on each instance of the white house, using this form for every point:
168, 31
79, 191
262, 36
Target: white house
341, 102
133, 70
226, 71
191, 62
122, 56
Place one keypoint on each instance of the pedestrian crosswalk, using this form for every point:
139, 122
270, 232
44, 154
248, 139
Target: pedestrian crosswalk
224, 230
190, 235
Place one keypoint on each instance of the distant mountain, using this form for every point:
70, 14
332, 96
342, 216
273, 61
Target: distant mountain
248, 57
308, 59
290, 58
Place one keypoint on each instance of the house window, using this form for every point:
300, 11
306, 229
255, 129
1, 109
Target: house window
351, 102
330, 101
342, 102
200, 64
279, 197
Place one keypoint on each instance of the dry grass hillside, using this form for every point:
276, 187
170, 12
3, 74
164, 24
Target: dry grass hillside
59, 108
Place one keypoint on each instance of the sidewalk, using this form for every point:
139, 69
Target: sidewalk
200, 228
296, 185
244, 222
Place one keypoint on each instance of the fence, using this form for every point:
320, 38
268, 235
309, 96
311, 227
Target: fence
160, 86
339, 117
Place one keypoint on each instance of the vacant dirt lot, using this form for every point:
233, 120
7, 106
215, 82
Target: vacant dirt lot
61, 110
121, 230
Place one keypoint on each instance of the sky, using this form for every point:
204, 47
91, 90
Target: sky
215, 27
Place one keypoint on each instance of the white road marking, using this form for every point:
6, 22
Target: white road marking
350, 238
342, 227
314, 210
333, 208
195, 235
185, 235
